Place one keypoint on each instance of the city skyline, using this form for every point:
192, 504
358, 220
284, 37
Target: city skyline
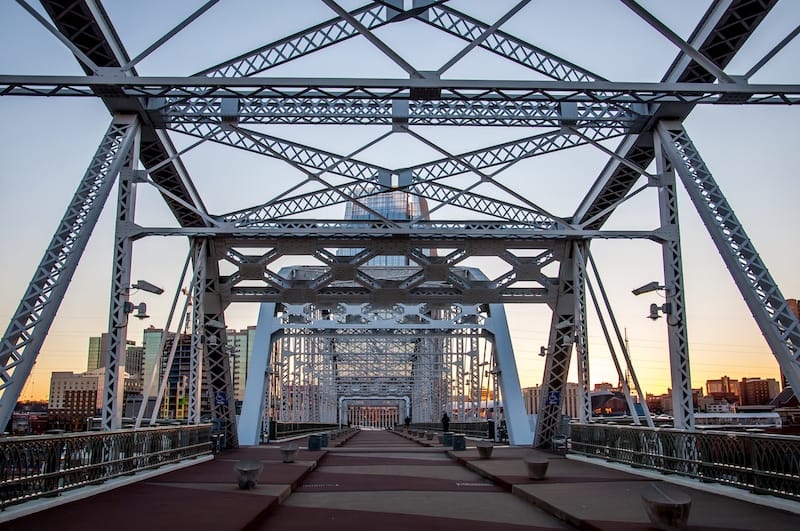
44, 156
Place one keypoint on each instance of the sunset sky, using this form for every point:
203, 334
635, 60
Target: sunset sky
753, 152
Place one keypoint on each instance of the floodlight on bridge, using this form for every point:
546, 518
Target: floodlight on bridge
647, 288
148, 287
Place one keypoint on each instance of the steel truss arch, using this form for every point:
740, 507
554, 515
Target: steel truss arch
424, 299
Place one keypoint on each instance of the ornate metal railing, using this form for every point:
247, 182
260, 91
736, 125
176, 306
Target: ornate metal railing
761, 463
34, 467
281, 430
473, 429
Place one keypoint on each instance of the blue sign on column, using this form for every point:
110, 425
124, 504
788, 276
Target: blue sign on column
553, 398
220, 398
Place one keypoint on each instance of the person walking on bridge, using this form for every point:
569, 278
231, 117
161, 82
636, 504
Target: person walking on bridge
445, 422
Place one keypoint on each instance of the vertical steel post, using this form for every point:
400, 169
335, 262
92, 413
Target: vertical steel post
675, 305
559, 353
198, 331
581, 342
120, 306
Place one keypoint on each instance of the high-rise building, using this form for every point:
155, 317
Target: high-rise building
396, 206
74, 398
132, 360
134, 366
758, 392
240, 346
97, 348
722, 386
151, 339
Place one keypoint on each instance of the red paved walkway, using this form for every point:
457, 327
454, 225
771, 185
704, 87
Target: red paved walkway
380, 481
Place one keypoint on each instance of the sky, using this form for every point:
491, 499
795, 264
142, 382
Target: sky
46, 144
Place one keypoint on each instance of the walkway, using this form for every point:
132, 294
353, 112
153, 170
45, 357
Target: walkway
382, 481
385, 481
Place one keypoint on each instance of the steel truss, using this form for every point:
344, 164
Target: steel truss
435, 358
313, 320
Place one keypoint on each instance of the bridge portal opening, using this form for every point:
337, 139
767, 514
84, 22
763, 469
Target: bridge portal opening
374, 416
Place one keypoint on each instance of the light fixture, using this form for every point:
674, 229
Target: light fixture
148, 287
542, 351
655, 309
213, 323
647, 288
141, 309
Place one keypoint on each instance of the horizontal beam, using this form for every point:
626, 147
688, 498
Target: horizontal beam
347, 88
381, 111
355, 233
359, 295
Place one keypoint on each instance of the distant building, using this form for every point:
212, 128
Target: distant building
29, 418
532, 397
151, 340
76, 397
662, 404
132, 360
134, 366
794, 306
722, 386
756, 392
712, 404
97, 347
240, 346
175, 404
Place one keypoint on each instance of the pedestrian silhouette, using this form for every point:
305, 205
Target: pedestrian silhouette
445, 422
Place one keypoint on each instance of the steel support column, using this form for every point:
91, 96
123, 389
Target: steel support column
120, 306
580, 252
559, 352
675, 305
217, 360
198, 338
28, 327
759, 290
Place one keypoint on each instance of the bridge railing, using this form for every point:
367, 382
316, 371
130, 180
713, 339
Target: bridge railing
34, 467
282, 430
472, 429
761, 463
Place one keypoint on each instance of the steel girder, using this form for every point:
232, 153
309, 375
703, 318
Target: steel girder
723, 31
683, 94
322, 35
28, 327
759, 290
523, 53
378, 111
371, 179
87, 25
